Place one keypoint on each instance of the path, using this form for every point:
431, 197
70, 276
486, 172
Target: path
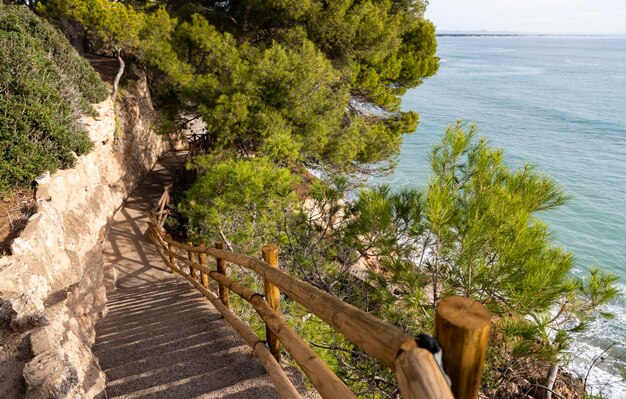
160, 338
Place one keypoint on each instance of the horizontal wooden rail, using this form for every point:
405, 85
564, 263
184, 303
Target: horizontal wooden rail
281, 382
419, 376
321, 376
319, 373
417, 372
380, 340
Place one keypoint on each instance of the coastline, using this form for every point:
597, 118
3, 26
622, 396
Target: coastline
514, 87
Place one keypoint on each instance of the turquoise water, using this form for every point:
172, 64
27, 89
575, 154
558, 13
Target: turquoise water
558, 103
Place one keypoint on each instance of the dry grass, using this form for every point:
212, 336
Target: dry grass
15, 210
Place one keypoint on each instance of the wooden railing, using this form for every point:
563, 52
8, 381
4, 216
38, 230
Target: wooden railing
198, 144
462, 325
161, 212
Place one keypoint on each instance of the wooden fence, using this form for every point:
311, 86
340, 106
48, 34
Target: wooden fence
462, 325
198, 144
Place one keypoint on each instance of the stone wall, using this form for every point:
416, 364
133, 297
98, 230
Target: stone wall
51, 287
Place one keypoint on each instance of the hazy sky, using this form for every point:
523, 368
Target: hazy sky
539, 16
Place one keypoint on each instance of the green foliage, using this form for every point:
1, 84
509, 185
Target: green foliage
474, 232
115, 24
383, 47
278, 78
18, 21
598, 288
283, 82
387, 46
485, 212
289, 80
45, 88
240, 200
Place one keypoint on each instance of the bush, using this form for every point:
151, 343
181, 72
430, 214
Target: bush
242, 201
45, 87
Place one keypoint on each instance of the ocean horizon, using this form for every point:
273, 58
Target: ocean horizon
556, 102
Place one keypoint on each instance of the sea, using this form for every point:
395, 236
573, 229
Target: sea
558, 103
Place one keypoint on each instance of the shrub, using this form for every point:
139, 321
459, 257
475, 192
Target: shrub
45, 87
242, 201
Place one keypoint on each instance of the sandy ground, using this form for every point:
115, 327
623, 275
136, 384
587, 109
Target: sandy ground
11, 382
161, 339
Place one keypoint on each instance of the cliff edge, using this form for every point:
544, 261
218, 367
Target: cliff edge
52, 286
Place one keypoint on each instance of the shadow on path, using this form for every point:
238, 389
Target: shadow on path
161, 339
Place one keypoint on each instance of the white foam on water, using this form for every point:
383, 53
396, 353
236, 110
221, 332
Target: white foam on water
606, 339
501, 50
581, 63
537, 116
603, 379
514, 71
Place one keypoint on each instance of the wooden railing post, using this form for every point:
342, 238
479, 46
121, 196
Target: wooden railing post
170, 251
461, 325
202, 260
272, 296
192, 271
462, 329
221, 269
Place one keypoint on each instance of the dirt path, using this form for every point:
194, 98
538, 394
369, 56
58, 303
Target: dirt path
160, 338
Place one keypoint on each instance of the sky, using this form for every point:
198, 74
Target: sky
530, 16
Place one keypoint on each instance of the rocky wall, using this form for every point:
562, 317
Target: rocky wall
51, 287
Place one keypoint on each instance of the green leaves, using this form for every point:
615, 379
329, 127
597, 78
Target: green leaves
276, 77
241, 201
598, 288
475, 231
479, 228
484, 213
115, 24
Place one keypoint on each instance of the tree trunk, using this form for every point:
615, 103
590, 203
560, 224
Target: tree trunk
552, 374
120, 72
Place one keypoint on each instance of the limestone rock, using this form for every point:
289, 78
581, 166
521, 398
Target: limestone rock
44, 367
26, 309
42, 340
53, 283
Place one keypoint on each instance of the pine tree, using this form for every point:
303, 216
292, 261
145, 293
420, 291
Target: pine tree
115, 25
475, 232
